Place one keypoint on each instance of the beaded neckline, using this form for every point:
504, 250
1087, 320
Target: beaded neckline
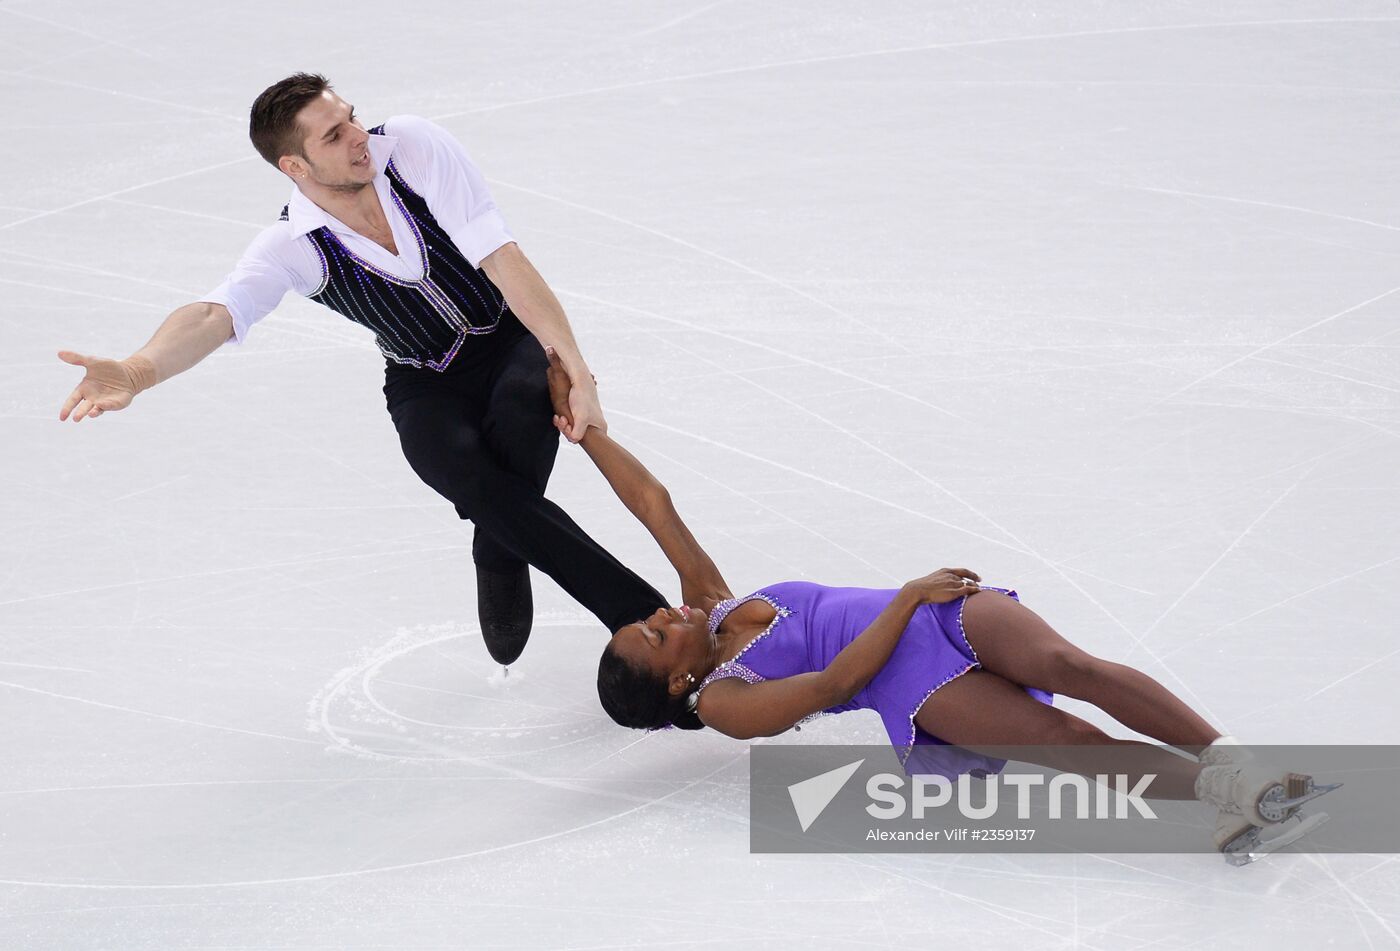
721, 611
733, 667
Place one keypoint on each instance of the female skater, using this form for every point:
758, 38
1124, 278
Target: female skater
943, 660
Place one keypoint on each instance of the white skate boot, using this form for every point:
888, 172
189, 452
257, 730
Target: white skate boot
1225, 749
1229, 826
1259, 813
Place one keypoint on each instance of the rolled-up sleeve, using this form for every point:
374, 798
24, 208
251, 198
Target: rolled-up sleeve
257, 284
434, 164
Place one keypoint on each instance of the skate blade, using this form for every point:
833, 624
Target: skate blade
1283, 800
1254, 845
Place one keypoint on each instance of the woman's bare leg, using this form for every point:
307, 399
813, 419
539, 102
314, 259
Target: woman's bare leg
980, 709
1013, 641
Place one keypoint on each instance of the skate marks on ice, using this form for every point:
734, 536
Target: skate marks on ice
612, 806
483, 768
431, 694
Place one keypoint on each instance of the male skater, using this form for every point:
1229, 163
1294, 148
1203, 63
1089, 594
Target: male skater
395, 229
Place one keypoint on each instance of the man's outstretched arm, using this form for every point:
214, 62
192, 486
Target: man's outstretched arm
437, 165
187, 336
540, 311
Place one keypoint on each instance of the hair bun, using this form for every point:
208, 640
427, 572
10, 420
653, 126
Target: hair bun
688, 721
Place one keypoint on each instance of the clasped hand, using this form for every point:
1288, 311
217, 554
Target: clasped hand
570, 403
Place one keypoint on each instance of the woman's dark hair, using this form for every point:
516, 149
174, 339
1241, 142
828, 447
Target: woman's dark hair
272, 122
640, 699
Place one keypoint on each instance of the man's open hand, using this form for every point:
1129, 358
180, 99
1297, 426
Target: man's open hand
109, 385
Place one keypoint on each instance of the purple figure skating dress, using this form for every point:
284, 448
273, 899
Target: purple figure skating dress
815, 622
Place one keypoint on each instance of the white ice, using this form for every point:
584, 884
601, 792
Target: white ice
1098, 299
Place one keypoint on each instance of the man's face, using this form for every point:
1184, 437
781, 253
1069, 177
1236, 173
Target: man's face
336, 146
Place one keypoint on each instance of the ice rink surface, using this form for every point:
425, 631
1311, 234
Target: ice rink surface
1098, 299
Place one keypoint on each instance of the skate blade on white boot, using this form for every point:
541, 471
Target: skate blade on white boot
1283, 800
1255, 794
1255, 842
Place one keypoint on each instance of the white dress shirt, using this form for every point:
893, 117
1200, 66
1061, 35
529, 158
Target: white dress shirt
431, 162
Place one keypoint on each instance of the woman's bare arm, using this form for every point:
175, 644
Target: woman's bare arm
651, 503
647, 499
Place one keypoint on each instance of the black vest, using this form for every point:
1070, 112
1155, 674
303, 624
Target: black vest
419, 323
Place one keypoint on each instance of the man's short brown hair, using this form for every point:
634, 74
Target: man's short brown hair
272, 122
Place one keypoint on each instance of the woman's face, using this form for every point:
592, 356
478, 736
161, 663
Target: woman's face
670, 643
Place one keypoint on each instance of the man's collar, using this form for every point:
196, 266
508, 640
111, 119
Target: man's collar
305, 216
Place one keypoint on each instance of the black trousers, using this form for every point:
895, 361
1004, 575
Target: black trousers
480, 434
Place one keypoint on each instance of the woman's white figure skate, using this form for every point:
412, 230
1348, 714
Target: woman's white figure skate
1259, 812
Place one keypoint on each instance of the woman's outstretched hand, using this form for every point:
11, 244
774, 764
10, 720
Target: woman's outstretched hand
558, 383
945, 584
